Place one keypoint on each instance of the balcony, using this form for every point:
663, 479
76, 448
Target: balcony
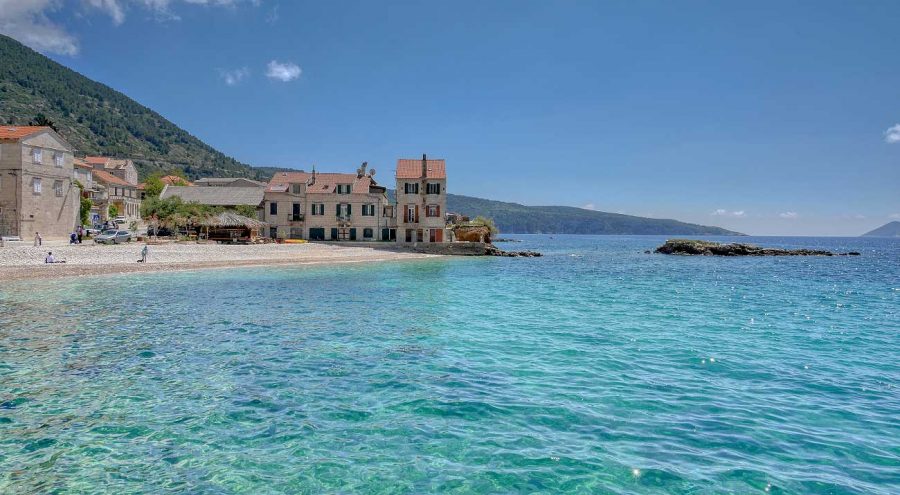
343, 218
295, 218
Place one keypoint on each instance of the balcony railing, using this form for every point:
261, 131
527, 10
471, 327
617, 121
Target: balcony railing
343, 218
295, 218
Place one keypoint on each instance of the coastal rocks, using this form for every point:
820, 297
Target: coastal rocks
691, 247
491, 250
472, 233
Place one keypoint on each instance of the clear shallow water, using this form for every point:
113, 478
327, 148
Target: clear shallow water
597, 369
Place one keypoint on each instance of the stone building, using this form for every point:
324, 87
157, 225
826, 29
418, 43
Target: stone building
122, 168
422, 200
329, 206
37, 189
229, 182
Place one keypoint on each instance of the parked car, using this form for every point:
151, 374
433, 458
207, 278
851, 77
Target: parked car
113, 237
91, 231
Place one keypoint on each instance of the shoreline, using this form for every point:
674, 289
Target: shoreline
92, 261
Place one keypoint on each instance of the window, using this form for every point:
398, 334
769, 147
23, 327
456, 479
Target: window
273, 208
36, 184
433, 188
58, 159
295, 213
411, 188
412, 214
344, 210
36, 155
343, 188
295, 188
318, 208
433, 211
388, 212
368, 233
368, 210
58, 188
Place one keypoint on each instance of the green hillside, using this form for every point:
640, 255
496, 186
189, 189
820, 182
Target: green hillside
99, 120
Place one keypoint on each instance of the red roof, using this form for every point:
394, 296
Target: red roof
412, 169
325, 182
81, 163
17, 132
104, 176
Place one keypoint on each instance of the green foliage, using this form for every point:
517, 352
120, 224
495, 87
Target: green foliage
42, 120
99, 120
485, 222
246, 210
113, 211
85, 211
173, 212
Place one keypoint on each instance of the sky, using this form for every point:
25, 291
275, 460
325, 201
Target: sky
769, 118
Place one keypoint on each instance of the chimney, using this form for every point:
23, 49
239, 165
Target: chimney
365, 165
424, 166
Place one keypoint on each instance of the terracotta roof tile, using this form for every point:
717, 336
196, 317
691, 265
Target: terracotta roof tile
412, 169
17, 132
82, 164
326, 183
104, 176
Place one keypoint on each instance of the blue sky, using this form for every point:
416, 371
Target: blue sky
764, 117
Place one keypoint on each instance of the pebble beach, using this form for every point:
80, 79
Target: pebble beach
24, 261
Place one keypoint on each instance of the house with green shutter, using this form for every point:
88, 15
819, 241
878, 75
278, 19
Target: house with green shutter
329, 207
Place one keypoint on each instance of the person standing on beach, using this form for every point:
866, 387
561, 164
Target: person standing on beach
144, 254
80, 233
37, 239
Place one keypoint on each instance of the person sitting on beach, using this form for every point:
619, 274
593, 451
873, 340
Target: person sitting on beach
51, 259
73, 238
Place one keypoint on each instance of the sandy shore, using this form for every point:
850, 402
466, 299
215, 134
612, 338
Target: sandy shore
88, 259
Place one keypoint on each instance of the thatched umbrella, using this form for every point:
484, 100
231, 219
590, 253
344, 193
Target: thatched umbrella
230, 219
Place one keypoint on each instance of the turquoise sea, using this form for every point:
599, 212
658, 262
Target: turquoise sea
596, 369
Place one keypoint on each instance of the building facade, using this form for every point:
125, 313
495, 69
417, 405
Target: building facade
114, 193
37, 189
328, 206
122, 168
422, 200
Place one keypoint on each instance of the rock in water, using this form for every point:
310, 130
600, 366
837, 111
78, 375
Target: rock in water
691, 247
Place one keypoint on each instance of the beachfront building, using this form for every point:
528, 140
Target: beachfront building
37, 189
84, 174
328, 206
226, 197
422, 200
115, 195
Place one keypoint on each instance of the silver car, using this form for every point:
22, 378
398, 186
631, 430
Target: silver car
113, 237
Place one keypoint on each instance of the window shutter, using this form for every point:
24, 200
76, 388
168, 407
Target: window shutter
438, 209
349, 210
337, 209
417, 213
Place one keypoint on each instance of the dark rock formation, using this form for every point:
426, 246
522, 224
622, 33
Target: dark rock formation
491, 250
691, 247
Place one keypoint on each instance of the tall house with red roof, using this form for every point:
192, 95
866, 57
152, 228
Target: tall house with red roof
421, 200
37, 188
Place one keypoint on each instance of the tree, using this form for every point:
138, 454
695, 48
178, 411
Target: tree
248, 211
486, 222
153, 186
85, 212
42, 120
113, 211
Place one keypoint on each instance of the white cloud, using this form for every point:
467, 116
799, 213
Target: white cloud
27, 21
892, 135
283, 72
589, 206
721, 212
788, 214
895, 216
234, 77
111, 7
